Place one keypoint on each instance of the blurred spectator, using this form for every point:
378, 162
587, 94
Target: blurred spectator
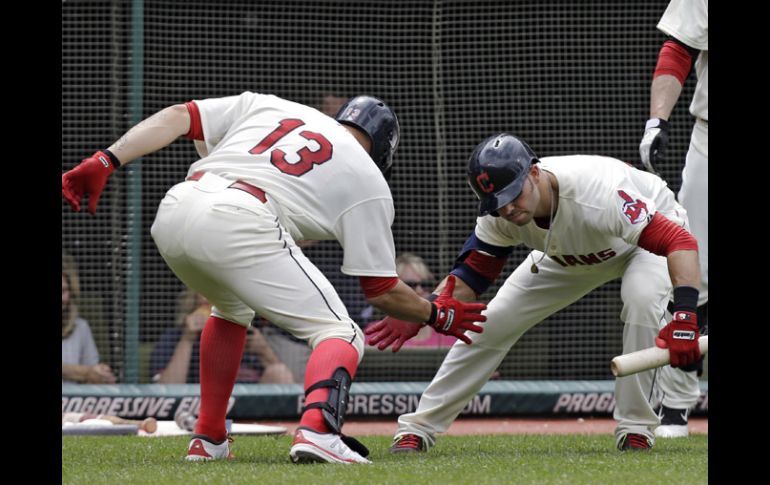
331, 103
290, 350
176, 357
79, 356
413, 271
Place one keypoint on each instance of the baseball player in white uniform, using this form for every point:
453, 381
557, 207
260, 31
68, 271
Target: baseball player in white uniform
274, 172
589, 220
686, 22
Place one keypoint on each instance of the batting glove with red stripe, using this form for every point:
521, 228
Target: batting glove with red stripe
89, 177
680, 337
454, 317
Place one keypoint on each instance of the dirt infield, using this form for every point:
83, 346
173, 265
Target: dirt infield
498, 426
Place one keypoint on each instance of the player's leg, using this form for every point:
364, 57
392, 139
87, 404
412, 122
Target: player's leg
224, 335
245, 250
645, 291
679, 388
694, 197
304, 303
524, 300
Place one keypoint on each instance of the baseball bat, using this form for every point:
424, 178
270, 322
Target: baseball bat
149, 425
641, 360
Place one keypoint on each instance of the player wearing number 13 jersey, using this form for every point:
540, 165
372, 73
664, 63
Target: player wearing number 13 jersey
274, 172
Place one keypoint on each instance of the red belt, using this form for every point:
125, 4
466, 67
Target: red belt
238, 184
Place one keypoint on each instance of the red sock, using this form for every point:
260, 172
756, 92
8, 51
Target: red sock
325, 359
222, 344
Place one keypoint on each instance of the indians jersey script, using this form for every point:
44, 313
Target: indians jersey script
318, 178
604, 205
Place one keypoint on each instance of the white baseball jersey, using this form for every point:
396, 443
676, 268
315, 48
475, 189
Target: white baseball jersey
604, 205
320, 179
239, 249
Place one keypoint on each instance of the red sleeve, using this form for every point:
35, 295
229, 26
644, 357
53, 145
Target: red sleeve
377, 285
674, 60
486, 265
196, 129
662, 237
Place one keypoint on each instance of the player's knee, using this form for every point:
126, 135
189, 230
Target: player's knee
242, 317
350, 333
358, 342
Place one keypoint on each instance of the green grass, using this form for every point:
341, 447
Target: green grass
571, 459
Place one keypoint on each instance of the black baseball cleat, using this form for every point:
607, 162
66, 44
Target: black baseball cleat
635, 442
408, 443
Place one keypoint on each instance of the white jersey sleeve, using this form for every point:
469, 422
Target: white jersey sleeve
629, 213
688, 21
497, 231
218, 115
364, 231
634, 202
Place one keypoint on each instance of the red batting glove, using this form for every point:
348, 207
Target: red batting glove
453, 317
89, 177
391, 330
680, 337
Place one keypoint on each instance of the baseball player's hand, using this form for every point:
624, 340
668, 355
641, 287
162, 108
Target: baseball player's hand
653, 145
391, 330
680, 337
454, 317
89, 177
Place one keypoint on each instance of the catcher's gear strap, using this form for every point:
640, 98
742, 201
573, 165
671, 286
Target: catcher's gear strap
674, 59
662, 237
196, 127
374, 286
335, 407
479, 263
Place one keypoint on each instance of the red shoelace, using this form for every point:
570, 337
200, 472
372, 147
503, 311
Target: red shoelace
409, 441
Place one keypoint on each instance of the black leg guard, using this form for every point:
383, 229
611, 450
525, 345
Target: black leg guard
335, 407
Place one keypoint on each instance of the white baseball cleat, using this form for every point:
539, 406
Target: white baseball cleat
672, 431
673, 423
312, 447
204, 448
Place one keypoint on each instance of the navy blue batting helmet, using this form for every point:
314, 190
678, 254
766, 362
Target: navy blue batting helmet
377, 120
497, 170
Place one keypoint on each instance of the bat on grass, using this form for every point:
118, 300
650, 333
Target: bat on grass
149, 425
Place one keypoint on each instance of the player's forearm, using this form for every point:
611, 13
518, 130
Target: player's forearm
664, 93
684, 269
177, 368
462, 292
152, 134
403, 303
